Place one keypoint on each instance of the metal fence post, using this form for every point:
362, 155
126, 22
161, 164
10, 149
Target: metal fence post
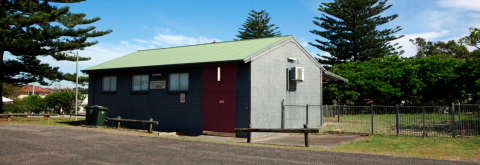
338, 112
371, 108
396, 123
307, 113
453, 120
423, 111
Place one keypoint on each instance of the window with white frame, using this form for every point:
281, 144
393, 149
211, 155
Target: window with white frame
140, 83
109, 83
178, 82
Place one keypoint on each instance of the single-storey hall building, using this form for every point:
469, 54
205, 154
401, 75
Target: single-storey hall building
211, 88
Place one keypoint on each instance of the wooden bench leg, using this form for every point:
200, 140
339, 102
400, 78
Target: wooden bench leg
249, 138
150, 126
307, 139
118, 123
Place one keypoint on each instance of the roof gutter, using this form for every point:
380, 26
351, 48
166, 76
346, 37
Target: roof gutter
165, 66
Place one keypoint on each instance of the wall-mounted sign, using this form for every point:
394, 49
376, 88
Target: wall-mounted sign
157, 84
182, 97
221, 101
156, 74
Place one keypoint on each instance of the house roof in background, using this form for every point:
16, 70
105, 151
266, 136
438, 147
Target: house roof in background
67, 90
29, 88
202, 53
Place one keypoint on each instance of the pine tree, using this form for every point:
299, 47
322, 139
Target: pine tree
32, 28
257, 26
444, 49
351, 31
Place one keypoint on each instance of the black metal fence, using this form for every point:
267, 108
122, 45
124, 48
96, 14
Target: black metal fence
426, 121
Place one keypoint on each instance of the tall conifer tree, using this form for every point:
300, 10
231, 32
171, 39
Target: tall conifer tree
351, 31
32, 28
257, 25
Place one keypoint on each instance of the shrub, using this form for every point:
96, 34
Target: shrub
62, 100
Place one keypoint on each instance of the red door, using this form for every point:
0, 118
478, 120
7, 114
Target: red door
219, 111
220, 98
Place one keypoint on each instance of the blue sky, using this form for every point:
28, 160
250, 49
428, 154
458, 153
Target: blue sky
147, 24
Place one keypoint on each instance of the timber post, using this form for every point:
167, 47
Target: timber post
118, 122
8, 118
48, 117
249, 138
150, 126
307, 138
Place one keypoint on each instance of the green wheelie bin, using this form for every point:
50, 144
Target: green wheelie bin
99, 114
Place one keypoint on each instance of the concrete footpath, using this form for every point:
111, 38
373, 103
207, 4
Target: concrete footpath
283, 139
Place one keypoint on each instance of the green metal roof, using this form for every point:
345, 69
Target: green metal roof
212, 52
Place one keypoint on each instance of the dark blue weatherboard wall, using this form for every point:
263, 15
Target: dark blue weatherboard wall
163, 106
158, 104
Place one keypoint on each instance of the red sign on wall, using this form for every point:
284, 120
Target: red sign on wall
182, 97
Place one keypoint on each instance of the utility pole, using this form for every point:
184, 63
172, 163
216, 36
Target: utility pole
76, 91
33, 90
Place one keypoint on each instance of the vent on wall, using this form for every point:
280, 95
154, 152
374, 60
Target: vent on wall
297, 73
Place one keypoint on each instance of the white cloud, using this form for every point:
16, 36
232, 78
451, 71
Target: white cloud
162, 30
166, 40
463, 4
141, 41
407, 45
137, 47
437, 19
304, 44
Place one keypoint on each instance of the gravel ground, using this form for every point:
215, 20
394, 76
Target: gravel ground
35, 144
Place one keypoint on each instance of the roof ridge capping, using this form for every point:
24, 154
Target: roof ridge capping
216, 43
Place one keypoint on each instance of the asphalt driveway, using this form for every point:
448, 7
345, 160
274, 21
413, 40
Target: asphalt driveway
34, 144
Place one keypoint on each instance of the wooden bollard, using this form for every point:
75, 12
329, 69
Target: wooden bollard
118, 123
48, 117
150, 126
8, 118
307, 139
249, 138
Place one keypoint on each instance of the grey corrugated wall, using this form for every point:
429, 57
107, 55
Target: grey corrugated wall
269, 88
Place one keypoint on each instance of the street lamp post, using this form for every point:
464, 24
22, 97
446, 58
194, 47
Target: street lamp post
76, 91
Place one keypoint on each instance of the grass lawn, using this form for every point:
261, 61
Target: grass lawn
57, 121
417, 147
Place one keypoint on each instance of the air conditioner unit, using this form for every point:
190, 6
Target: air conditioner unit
297, 73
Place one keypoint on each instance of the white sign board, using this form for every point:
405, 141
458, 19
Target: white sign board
182, 97
157, 84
